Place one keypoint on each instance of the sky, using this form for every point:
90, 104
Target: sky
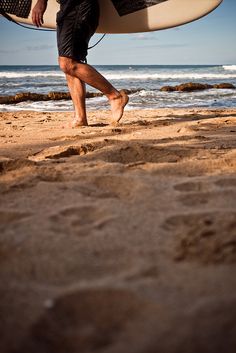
210, 40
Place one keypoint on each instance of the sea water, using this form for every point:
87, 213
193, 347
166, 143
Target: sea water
147, 79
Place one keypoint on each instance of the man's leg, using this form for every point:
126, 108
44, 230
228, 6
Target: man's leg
78, 95
92, 77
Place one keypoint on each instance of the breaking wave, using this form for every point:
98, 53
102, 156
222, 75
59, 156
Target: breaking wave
166, 76
229, 67
131, 76
5, 74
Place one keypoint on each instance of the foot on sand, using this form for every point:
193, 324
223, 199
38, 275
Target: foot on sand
75, 123
117, 106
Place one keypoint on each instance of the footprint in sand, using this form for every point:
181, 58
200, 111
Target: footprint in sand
80, 221
204, 237
226, 183
57, 152
8, 221
63, 260
120, 187
92, 320
135, 152
190, 186
222, 199
200, 193
9, 217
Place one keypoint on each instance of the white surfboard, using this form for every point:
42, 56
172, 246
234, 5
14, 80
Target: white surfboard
130, 16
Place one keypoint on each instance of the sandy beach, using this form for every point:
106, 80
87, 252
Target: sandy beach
118, 239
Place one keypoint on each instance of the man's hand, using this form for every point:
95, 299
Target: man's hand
38, 11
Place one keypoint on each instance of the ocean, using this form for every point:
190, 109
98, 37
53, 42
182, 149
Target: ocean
148, 79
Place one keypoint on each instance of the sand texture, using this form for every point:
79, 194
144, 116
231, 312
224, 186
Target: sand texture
118, 239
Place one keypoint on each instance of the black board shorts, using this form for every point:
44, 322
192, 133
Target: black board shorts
77, 21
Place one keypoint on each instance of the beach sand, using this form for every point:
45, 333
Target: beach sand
118, 239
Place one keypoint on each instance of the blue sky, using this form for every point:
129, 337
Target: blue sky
210, 40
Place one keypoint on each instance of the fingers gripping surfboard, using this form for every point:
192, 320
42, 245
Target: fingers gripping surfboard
124, 16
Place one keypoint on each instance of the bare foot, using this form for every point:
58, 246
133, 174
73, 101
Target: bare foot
76, 123
117, 106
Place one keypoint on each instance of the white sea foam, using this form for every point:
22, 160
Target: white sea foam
7, 74
229, 67
144, 93
39, 106
131, 76
166, 76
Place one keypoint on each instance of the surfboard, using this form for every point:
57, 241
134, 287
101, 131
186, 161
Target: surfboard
126, 16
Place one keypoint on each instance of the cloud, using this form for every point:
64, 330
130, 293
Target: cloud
144, 36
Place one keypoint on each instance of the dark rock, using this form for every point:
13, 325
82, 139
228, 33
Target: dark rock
192, 86
7, 99
57, 95
186, 87
27, 96
168, 89
22, 97
93, 94
224, 86
133, 90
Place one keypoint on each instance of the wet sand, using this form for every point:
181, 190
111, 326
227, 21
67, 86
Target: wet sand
118, 239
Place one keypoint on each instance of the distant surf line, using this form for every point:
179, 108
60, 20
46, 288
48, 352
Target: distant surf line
124, 76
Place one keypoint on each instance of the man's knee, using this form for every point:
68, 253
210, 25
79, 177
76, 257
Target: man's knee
67, 65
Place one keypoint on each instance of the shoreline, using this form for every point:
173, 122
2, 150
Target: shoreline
130, 228
54, 96
144, 82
